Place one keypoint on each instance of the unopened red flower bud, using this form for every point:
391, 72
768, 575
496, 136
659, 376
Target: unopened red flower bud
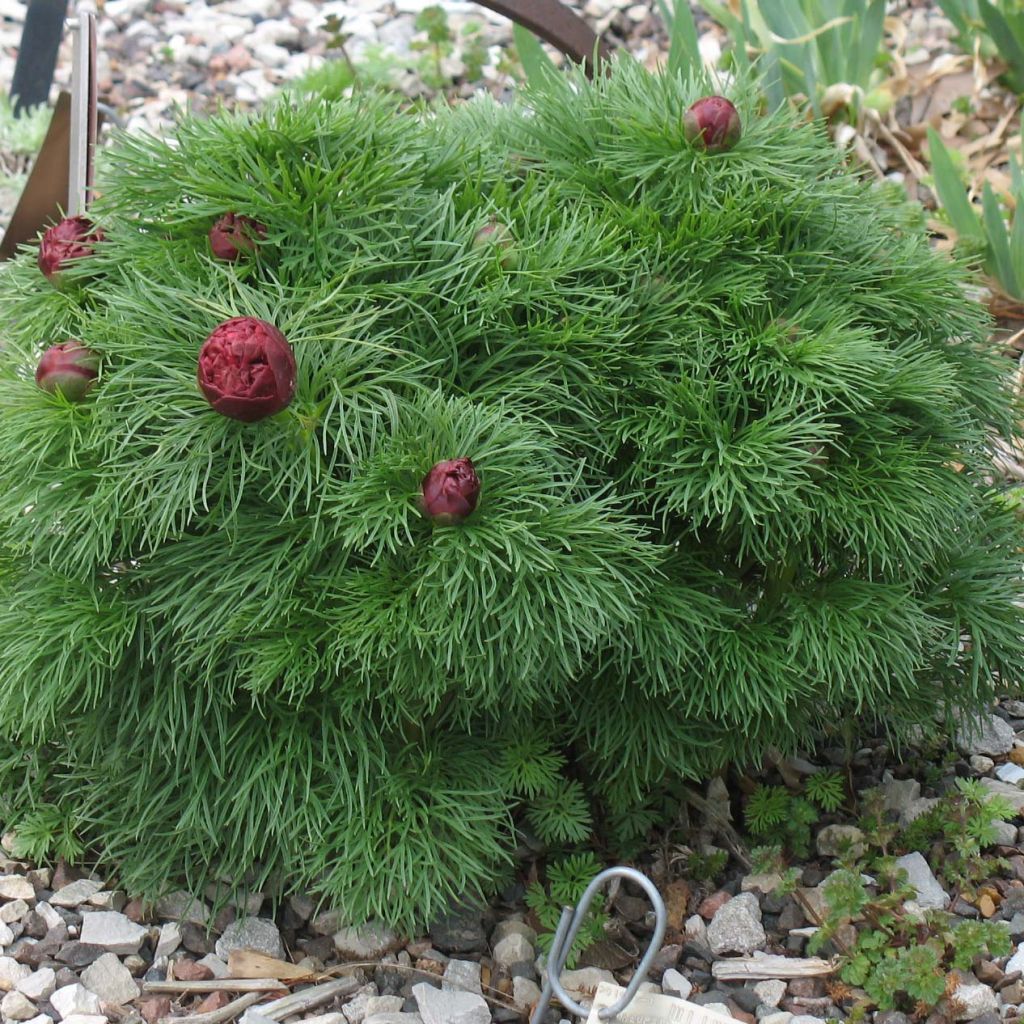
234, 235
712, 124
69, 368
450, 491
247, 369
497, 235
71, 239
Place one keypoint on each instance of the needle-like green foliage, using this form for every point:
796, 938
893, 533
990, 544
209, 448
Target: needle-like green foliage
732, 420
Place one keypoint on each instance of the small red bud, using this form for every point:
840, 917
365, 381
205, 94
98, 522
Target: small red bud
69, 368
247, 369
712, 124
498, 235
71, 239
450, 492
234, 234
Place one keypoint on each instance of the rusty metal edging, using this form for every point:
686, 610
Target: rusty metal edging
557, 25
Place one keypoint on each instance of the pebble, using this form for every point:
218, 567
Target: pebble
836, 840
16, 887
980, 764
974, 1000
736, 927
17, 1006
39, 985
256, 933
984, 734
673, 983
16, 910
74, 894
113, 932
109, 979
368, 942
525, 993
463, 976
182, 907
439, 1007
770, 992
74, 999
930, 894
1009, 772
11, 972
513, 949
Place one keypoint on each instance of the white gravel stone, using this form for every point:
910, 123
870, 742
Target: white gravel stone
183, 908
169, 940
673, 983
16, 887
107, 899
365, 943
525, 993
439, 1007
512, 927
377, 1005
74, 894
1011, 773
11, 972
782, 1017
108, 978
975, 1000
48, 914
583, 983
13, 911
981, 764
930, 894
463, 976
42, 1018
6, 935
39, 985
1006, 833
983, 734
17, 1006
513, 949
75, 999
770, 992
214, 962
1016, 962
736, 926
355, 1009
1013, 794
113, 931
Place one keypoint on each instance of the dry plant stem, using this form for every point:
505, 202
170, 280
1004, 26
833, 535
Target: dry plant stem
717, 821
229, 1012
755, 968
218, 985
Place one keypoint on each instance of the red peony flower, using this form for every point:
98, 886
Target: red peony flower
72, 239
235, 234
450, 492
712, 124
69, 368
247, 369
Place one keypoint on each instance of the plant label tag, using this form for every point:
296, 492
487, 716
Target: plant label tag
649, 1008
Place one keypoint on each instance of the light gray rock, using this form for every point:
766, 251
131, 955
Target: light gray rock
1011, 773
39, 985
897, 794
834, 840
1016, 962
916, 808
110, 980
368, 942
718, 1008
13, 911
770, 992
11, 972
378, 1005
582, 984
782, 1017
74, 894
72, 999
256, 933
525, 993
975, 1000
463, 976
113, 932
107, 899
984, 734
511, 927
930, 894
6, 935
1006, 833
42, 1018
87, 1018
736, 926
394, 1018
439, 1007
513, 949
673, 983
355, 1009
182, 907
48, 914
326, 1018
1014, 795
170, 939
17, 1006
16, 887
219, 968
980, 764
766, 883
806, 1018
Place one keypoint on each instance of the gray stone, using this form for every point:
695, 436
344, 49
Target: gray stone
74, 999
930, 894
525, 993
368, 942
6, 935
834, 840
916, 808
1016, 962
782, 1017
460, 930
42, 1018
394, 1018
1014, 795
50, 916
722, 1008
11, 972
377, 1005
984, 734
512, 927
1011, 773
110, 980
770, 992
16, 910
582, 984
16, 887
355, 1009
513, 949
974, 1000
74, 894
736, 926
107, 899
439, 1007
805, 1018
256, 933
86, 1018
219, 968
981, 765
39, 985
170, 939
673, 983
1006, 833
766, 883
898, 793
182, 907
17, 1006
463, 976
113, 932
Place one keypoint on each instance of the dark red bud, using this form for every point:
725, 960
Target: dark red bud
712, 124
247, 369
450, 492
498, 235
69, 368
72, 239
234, 235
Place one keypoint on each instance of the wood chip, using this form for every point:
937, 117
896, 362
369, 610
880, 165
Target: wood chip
770, 967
